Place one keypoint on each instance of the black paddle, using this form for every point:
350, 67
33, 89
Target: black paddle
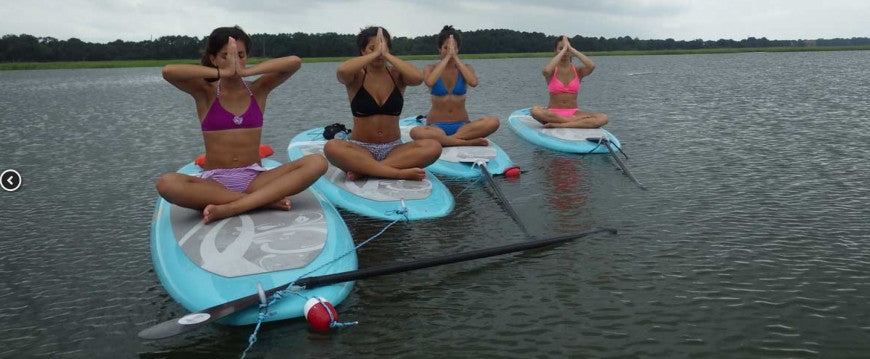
504, 201
606, 142
198, 319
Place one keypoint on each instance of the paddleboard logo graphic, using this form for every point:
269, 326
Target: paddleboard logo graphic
194, 318
238, 120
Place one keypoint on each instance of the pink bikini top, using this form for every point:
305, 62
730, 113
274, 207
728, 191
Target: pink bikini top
218, 118
555, 86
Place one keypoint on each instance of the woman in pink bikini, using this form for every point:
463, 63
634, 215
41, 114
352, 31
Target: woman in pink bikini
563, 83
375, 93
230, 110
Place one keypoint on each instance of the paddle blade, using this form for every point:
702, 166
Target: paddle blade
198, 319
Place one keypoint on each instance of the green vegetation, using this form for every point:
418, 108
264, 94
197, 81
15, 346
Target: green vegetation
489, 43
159, 63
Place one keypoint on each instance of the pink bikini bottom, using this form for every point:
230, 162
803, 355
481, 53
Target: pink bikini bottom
564, 112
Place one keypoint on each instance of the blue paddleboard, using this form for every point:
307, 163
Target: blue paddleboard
459, 161
572, 140
374, 197
201, 266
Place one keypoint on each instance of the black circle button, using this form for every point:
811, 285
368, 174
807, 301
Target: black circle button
10, 180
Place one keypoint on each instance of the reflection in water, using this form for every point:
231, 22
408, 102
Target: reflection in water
565, 188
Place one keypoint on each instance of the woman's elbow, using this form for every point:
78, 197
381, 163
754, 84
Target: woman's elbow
168, 72
295, 63
414, 80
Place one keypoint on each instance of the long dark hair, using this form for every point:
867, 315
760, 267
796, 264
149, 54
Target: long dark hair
445, 34
362, 39
218, 38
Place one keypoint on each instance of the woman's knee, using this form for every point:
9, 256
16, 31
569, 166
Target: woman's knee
418, 132
429, 147
166, 184
316, 163
491, 122
332, 147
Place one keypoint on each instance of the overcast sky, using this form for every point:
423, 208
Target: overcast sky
135, 20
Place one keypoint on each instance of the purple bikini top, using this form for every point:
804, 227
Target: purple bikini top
218, 118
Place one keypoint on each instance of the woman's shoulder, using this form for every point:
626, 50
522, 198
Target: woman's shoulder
204, 90
394, 71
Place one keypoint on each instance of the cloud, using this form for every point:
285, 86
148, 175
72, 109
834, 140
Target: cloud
136, 20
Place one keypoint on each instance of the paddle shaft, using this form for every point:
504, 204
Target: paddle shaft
619, 162
507, 206
313, 282
182, 325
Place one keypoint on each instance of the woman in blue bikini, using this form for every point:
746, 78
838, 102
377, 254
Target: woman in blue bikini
230, 112
447, 118
375, 93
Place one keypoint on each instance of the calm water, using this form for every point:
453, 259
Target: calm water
751, 242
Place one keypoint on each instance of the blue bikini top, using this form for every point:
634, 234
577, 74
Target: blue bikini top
438, 89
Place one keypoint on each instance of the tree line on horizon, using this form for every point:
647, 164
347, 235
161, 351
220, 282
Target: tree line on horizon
28, 48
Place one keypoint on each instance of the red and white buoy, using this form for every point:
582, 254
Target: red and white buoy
317, 314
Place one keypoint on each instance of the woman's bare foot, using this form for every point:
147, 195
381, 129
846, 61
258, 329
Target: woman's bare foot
215, 212
453, 141
480, 141
416, 174
353, 176
560, 125
281, 204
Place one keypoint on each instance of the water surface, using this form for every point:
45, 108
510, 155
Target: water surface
752, 240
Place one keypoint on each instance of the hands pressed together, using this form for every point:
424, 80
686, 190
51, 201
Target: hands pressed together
382, 48
233, 64
451, 46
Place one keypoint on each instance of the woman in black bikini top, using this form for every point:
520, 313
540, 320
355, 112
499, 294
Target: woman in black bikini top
374, 90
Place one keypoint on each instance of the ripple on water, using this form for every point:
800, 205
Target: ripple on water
750, 242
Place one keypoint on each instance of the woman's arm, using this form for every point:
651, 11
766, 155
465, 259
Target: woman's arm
411, 75
349, 69
432, 72
588, 65
550, 67
466, 70
191, 78
274, 71
467, 73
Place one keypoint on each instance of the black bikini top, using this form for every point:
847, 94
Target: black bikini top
363, 104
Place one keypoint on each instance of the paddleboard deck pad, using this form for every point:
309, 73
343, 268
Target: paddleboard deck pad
203, 265
459, 161
572, 140
374, 197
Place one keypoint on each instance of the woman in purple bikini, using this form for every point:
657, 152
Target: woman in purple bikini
375, 93
447, 118
230, 110
563, 83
